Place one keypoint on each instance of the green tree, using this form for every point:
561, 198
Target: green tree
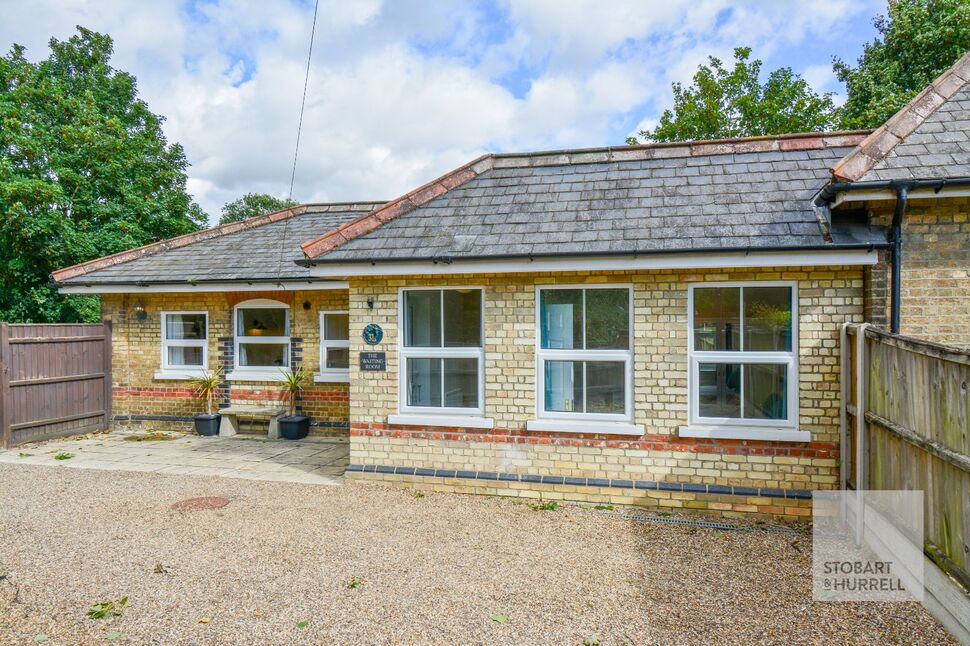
724, 103
252, 204
85, 171
918, 40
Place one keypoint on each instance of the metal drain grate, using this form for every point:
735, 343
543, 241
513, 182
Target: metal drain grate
707, 524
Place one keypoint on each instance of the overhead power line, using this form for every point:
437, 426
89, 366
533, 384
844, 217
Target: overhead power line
306, 81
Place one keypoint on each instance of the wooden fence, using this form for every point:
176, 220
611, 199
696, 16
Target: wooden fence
912, 432
55, 379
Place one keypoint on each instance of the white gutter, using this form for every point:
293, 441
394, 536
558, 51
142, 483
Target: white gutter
720, 260
890, 194
290, 286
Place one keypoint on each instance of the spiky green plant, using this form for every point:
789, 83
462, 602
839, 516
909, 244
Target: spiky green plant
206, 386
293, 382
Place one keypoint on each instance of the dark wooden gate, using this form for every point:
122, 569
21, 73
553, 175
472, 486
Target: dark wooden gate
55, 379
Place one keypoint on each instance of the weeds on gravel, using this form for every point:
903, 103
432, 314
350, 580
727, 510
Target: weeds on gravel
108, 608
112, 635
154, 436
500, 619
354, 583
63, 455
160, 569
24, 455
302, 624
40, 639
418, 494
548, 505
592, 640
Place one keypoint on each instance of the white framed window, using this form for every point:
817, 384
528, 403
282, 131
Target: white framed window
261, 334
185, 338
743, 360
442, 351
334, 346
584, 350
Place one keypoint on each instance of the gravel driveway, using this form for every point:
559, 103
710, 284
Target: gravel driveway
275, 566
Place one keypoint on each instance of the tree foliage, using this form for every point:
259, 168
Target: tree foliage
724, 103
918, 40
85, 171
252, 204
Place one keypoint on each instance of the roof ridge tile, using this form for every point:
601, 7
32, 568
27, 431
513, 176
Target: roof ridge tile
874, 148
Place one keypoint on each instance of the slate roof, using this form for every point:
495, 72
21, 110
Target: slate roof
257, 249
939, 147
928, 139
730, 194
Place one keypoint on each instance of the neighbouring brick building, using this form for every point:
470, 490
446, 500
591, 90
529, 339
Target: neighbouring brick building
651, 325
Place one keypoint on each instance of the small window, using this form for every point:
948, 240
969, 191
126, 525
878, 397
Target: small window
585, 352
442, 350
184, 341
334, 342
262, 336
743, 354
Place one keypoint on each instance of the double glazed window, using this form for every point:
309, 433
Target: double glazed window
334, 342
262, 336
184, 341
442, 350
743, 354
585, 352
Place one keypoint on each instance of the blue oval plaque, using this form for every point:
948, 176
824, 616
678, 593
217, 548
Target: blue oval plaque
373, 334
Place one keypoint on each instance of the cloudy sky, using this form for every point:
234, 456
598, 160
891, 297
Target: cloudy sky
403, 90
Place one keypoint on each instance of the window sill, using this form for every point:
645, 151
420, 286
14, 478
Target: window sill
584, 426
269, 375
449, 421
182, 375
342, 377
746, 433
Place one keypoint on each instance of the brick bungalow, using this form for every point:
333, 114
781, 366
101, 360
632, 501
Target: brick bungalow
651, 324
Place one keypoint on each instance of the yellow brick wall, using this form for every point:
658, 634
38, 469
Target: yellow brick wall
826, 298
935, 285
166, 403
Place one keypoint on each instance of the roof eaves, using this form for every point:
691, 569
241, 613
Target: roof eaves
880, 143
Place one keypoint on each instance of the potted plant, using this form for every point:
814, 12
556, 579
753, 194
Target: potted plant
293, 426
206, 384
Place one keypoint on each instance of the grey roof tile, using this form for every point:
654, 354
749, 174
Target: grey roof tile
934, 150
730, 200
261, 253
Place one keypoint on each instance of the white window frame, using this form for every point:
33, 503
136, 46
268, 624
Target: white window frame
331, 374
743, 428
445, 415
260, 373
625, 356
169, 371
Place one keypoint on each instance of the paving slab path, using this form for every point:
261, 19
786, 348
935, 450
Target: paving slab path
310, 461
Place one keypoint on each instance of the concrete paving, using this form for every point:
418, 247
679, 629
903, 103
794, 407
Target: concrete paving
310, 461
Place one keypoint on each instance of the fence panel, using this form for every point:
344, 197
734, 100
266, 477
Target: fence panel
55, 379
915, 434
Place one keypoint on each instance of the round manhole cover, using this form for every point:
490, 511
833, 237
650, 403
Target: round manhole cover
200, 504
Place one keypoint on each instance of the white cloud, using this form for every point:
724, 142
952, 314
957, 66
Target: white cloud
403, 90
